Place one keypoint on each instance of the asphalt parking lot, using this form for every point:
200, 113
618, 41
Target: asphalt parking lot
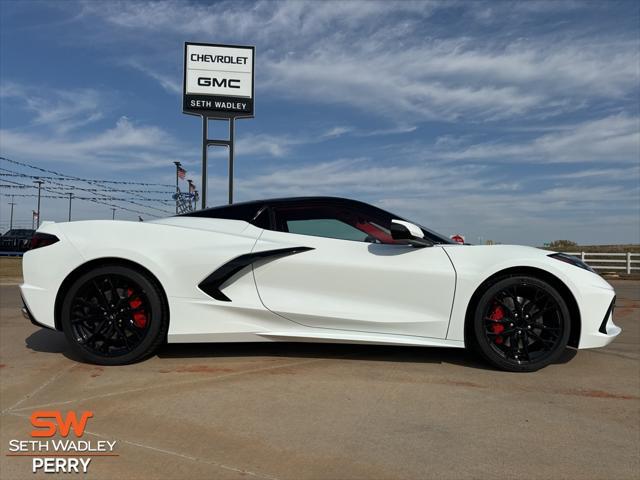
293, 411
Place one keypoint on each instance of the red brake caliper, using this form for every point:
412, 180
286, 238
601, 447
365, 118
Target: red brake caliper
496, 315
139, 318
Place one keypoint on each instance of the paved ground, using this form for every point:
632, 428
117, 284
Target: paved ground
292, 411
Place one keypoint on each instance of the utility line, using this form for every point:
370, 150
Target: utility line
93, 182
89, 199
107, 189
64, 197
66, 188
71, 177
92, 199
164, 192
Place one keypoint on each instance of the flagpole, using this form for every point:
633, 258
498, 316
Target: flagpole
178, 164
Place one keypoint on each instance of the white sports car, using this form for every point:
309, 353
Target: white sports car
313, 269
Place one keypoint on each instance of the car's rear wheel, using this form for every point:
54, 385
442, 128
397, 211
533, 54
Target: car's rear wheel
114, 315
521, 324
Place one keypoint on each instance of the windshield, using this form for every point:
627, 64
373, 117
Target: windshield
434, 237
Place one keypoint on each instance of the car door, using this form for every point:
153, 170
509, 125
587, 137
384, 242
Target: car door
353, 277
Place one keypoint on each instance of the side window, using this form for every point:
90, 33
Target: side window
326, 227
333, 221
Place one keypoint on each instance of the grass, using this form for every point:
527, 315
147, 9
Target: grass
10, 268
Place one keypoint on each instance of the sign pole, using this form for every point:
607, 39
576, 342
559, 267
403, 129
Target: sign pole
205, 147
232, 128
229, 143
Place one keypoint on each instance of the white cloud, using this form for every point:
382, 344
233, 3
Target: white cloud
602, 174
266, 145
478, 200
282, 145
398, 61
54, 133
340, 131
391, 59
276, 19
388, 131
60, 110
363, 177
614, 138
169, 83
130, 143
126, 145
337, 132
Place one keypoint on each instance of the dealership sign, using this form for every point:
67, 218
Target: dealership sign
218, 80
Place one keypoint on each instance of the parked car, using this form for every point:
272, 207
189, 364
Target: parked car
311, 269
16, 240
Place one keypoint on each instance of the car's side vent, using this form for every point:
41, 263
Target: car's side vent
211, 285
603, 325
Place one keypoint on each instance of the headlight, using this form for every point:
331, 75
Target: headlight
563, 257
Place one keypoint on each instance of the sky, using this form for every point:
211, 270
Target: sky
517, 122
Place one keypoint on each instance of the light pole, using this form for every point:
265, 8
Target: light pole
70, 197
11, 218
39, 182
113, 213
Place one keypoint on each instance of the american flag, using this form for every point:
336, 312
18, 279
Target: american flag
181, 173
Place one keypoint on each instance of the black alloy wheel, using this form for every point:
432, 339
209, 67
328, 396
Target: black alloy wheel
114, 315
521, 324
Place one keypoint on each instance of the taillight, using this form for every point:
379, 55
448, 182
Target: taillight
42, 240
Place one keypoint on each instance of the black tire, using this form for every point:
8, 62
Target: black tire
521, 324
114, 315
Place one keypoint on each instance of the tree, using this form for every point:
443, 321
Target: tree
562, 244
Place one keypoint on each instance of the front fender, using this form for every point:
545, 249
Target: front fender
475, 264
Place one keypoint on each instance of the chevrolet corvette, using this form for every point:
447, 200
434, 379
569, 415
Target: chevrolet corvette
310, 269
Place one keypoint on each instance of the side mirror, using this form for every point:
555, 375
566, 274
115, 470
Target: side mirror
407, 232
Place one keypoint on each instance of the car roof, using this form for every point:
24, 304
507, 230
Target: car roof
252, 206
285, 200
251, 211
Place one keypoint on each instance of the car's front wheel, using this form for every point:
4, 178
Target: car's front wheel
521, 324
114, 315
